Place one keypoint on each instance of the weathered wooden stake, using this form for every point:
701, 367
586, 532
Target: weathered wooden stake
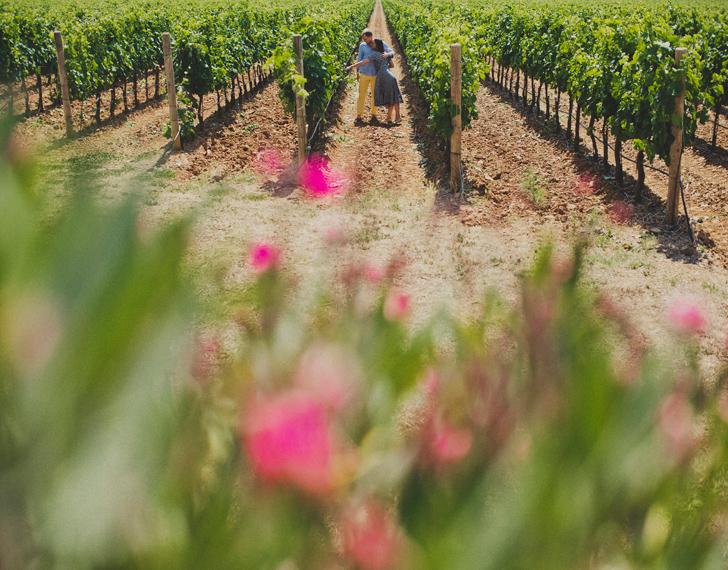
676, 149
300, 101
64, 83
171, 91
457, 120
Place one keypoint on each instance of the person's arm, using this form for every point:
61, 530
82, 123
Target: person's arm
360, 57
388, 50
357, 65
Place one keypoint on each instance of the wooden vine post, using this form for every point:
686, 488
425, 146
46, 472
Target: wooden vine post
171, 91
676, 148
300, 101
65, 97
457, 120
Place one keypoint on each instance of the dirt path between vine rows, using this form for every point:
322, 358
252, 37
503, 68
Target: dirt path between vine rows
448, 251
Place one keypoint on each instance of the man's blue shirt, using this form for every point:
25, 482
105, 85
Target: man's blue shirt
364, 53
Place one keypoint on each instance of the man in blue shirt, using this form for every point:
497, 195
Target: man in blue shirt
366, 75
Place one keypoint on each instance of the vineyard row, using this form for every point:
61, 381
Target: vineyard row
214, 47
612, 65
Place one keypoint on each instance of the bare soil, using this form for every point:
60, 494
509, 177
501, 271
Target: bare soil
524, 183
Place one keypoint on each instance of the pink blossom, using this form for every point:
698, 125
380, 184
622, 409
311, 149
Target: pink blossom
585, 184
329, 374
267, 161
263, 257
448, 443
370, 538
320, 179
430, 383
373, 273
396, 305
289, 441
563, 269
205, 358
35, 326
686, 317
675, 421
335, 235
621, 212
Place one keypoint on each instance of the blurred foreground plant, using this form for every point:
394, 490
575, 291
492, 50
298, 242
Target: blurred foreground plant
540, 436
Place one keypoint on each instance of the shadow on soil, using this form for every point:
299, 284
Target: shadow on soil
435, 153
648, 212
713, 156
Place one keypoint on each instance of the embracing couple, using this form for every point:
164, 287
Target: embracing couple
373, 70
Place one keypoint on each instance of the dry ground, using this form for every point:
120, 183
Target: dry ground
524, 184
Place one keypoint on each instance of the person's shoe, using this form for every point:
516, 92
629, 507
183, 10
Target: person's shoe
374, 120
359, 120
398, 120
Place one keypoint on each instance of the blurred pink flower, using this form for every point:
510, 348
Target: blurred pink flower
450, 444
267, 161
585, 184
35, 327
205, 358
686, 317
370, 538
396, 305
288, 441
373, 273
430, 382
263, 257
320, 179
335, 235
329, 374
675, 421
621, 212
563, 268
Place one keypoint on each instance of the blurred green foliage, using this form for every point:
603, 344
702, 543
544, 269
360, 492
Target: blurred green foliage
546, 435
